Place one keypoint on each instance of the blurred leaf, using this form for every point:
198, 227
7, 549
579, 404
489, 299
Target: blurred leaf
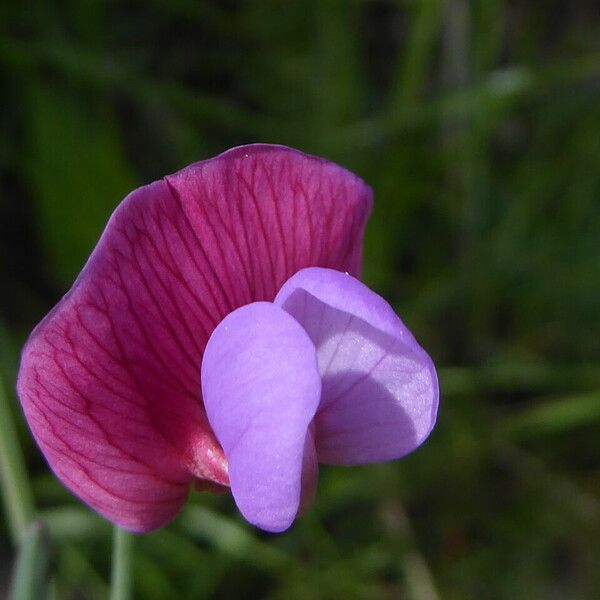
77, 172
554, 416
79, 575
49, 490
231, 538
522, 376
150, 580
488, 34
75, 523
414, 63
194, 569
500, 90
337, 77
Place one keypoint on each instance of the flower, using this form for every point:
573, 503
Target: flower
218, 335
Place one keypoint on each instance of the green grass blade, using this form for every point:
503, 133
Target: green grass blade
416, 57
14, 484
31, 569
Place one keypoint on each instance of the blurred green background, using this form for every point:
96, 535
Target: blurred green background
478, 125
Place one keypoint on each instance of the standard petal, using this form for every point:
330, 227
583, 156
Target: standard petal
261, 389
380, 389
264, 212
109, 379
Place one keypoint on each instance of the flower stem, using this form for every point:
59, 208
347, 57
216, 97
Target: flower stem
14, 485
120, 583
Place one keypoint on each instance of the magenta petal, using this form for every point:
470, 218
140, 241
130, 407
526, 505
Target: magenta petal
380, 390
263, 212
261, 389
109, 379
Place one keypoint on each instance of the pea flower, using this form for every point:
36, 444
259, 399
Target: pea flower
218, 336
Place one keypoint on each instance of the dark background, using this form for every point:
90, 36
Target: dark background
478, 125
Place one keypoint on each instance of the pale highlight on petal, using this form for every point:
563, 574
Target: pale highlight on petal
261, 389
380, 390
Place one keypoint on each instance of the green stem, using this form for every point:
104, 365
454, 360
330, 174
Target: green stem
120, 583
31, 567
14, 485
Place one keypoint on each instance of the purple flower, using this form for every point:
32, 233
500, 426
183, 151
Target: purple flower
241, 268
